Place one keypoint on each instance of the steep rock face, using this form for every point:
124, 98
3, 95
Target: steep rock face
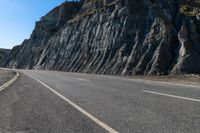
28, 53
147, 37
3, 54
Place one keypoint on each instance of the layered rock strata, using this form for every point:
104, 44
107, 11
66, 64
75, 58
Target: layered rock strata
128, 37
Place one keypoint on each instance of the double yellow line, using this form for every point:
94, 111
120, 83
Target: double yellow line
4, 86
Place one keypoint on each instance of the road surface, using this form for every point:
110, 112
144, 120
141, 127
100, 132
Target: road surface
60, 102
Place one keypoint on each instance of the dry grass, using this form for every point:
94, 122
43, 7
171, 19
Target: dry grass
190, 7
91, 11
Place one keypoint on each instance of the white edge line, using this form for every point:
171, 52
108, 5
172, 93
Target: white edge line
174, 96
4, 86
97, 121
83, 79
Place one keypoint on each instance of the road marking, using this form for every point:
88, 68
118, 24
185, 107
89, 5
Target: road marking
94, 119
174, 96
83, 79
4, 86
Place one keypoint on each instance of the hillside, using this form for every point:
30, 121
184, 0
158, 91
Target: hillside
3, 54
128, 37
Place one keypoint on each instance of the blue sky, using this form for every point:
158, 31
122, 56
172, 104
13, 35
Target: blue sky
18, 17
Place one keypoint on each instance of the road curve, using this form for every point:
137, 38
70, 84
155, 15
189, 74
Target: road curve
127, 106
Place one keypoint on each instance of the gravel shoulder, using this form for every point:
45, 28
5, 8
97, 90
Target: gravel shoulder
5, 76
181, 79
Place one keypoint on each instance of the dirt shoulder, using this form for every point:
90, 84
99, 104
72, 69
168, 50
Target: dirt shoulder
180, 79
5, 76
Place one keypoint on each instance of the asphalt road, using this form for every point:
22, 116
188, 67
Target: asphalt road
59, 102
5, 76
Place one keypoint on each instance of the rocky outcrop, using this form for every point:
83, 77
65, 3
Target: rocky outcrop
3, 54
28, 53
129, 37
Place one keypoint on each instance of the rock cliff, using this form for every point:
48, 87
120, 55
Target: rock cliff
129, 37
3, 54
